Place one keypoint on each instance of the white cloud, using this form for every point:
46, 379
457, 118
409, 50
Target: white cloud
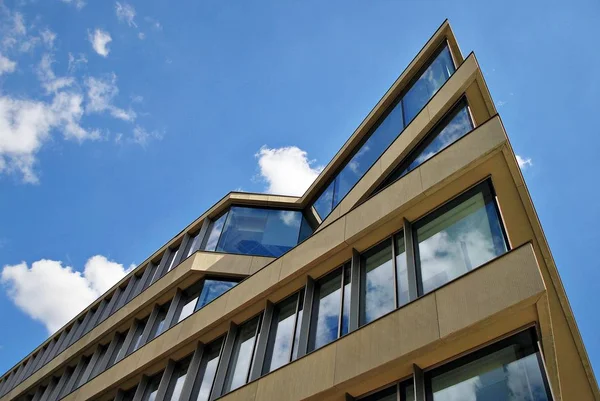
100, 93
6, 65
286, 170
26, 124
141, 136
125, 13
50, 82
100, 40
77, 3
52, 293
48, 37
76, 62
524, 162
141, 35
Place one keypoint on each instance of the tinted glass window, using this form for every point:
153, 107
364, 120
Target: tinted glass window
98, 364
193, 245
211, 289
281, 335
327, 308
159, 323
208, 369
172, 258
324, 203
136, 342
459, 237
214, 232
508, 372
428, 84
119, 351
369, 152
346, 302
242, 355
377, 282
187, 308
266, 232
152, 388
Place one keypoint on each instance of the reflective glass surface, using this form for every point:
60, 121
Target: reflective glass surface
136, 342
152, 388
214, 232
119, 351
211, 289
505, 374
438, 72
265, 232
159, 323
208, 369
281, 335
369, 152
377, 282
346, 302
193, 245
387, 130
189, 305
298, 325
326, 313
172, 258
459, 237
242, 355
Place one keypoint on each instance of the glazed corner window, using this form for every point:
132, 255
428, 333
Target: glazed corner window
207, 371
508, 370
255, 231
214, 232
330, 312
282, 346
242, 355
460, 236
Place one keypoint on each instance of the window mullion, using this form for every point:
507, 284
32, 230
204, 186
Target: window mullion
141, 389
173, 307
354, 291
341, 313
149, 325
291, 355
309, 295
192, 373
262, 341
165, 379
411, 267
419, 383
225, 359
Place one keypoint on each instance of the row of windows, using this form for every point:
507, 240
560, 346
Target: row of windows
390, 126
454, 239
124, 343
510, 369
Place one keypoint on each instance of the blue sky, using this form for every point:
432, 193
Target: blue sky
121, 143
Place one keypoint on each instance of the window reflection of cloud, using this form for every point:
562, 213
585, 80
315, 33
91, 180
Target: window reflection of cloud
327, 321
525, 381
283, 342
379, 297
290, 218
212, 289
207, 379
464, 245
242, 364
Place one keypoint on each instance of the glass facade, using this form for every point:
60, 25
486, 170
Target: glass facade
377, 282
152, 388
328, 309
451, 128
242, 356
212, 289
390, 126
256, 231
460, 236
207, 372
286, 319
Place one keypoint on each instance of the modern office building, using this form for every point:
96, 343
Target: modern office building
413, 268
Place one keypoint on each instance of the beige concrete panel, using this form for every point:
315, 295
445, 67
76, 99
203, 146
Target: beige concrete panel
245, 393
221, 263
483, 141
547, 342
382, 205
502, 283
258, 262
333, 216
282, 200
314, 250
387, 339
252, 287
477, 104
300, 379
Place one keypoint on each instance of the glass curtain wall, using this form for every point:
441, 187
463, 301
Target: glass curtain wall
389, 127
